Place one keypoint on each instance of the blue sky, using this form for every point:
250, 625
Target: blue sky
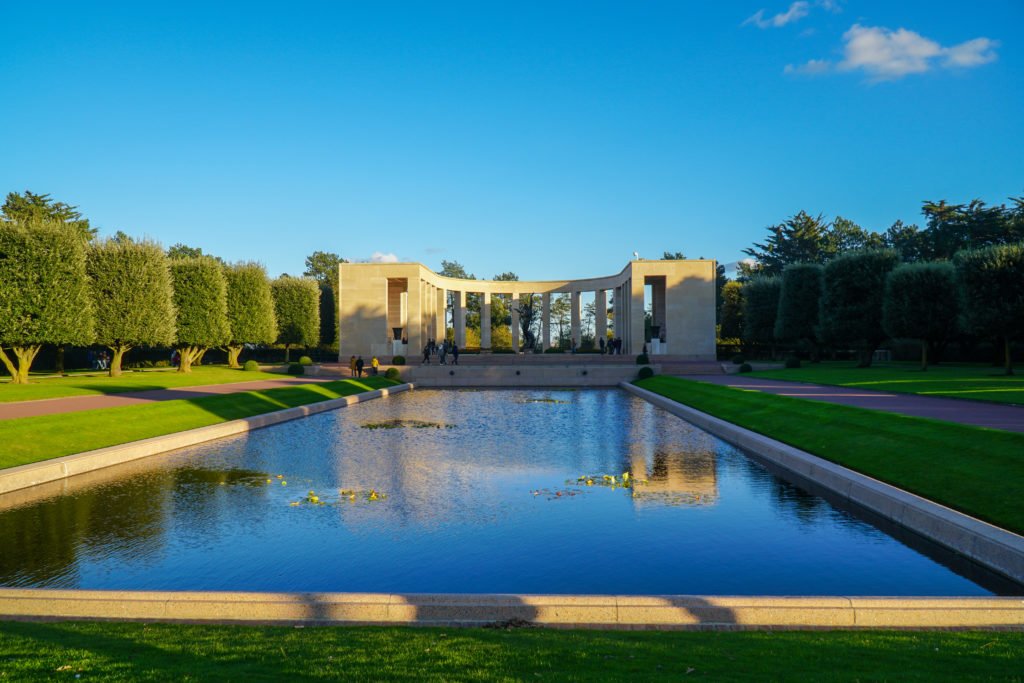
552, 139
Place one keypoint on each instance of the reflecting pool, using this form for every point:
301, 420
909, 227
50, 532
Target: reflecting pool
491, 491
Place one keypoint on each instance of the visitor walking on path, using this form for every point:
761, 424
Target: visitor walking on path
426, 354
352, 366
443, 352
359, 366
455, 354
374, 364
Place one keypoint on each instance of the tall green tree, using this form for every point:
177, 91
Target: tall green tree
922, 302
322, 266
251, 315
731, 325
201, 301
760, 308
853, 288
44, 291
799, 306
297, 306
673, 256
132, 296
31, 208
992, 286
800, 239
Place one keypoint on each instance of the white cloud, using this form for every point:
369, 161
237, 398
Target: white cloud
812, 67
381, 257
887, 55
971, 53
797, 11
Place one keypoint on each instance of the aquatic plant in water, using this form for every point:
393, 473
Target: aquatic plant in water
344, 496
414, 424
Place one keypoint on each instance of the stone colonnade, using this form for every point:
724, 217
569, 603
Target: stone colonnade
384, 309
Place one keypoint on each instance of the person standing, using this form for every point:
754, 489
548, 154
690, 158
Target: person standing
455, 354
600, 343
426, 354
352, 366
374, 364
359, 366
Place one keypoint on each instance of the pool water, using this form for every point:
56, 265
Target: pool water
469, 491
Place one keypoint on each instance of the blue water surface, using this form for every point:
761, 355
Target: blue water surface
486, 498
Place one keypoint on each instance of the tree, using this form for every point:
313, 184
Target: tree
908, 241
30, 208
731, 326
322, 266
673, 256
530, 306
39, 258
251, 316
760, 308
200, 297
992, 292
921, 302
799, 306
800, 239
851, 301
454, 269
183, 251
561, 311
297, 306
132, 296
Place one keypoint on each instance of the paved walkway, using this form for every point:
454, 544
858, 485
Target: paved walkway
976, 413
73, 404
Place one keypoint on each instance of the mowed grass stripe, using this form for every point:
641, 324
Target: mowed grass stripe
973, 382
92, 385
32, 439
144, 652
977, 471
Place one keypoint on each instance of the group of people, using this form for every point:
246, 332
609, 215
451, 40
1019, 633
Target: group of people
445, 349
99, 360
613, 347
356, 366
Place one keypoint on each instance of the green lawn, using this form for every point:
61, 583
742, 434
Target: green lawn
56, 387
978, 471
137, 652
976, 382
31, 439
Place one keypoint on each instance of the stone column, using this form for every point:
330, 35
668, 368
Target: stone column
414, 316
636, 316
600, 317
574, 317
460, 318
545, 321
514, 307
485, 320
617, 310
440, 316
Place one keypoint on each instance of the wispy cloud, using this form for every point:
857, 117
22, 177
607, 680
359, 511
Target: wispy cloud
886, 55
797, 11
383, 257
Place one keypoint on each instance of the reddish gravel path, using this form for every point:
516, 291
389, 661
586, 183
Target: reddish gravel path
975, 413
73, 404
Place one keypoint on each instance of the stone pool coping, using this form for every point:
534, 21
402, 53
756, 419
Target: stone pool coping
668, 612
62, 468
990, 546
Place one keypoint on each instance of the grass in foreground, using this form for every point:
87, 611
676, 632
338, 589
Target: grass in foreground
974, 470
58, 387
31, 439
134, 652
975, 382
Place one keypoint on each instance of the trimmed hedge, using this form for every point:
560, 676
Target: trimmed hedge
251, 366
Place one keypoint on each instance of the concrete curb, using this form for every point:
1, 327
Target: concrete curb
560, 611
56, 469
998, 549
